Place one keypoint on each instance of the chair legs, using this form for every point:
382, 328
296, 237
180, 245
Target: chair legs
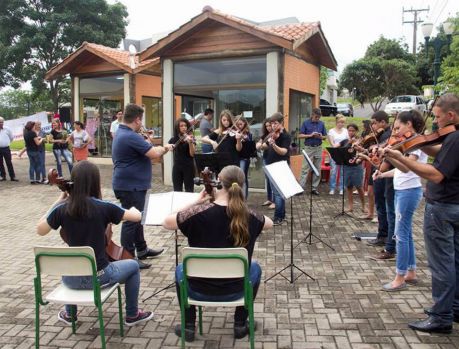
37, 323
101, 324
120, 312
73, 316
200, 319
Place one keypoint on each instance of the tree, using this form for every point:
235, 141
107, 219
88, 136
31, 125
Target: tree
449, 79
389, 49
17, 103
323, 79
52, 29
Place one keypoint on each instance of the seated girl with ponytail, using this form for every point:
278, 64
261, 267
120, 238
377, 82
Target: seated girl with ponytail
226, 222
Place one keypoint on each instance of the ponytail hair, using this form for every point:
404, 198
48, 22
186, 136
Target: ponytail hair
232, 178
415, 117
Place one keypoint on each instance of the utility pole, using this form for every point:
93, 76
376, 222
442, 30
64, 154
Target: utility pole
415, 22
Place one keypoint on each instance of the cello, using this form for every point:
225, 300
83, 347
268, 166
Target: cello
113, 250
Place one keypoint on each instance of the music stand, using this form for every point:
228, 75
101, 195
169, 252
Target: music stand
157, 207
308, 238
214, 161
341, 156
282, 178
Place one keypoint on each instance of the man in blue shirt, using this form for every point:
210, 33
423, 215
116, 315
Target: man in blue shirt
132, 172
313, 131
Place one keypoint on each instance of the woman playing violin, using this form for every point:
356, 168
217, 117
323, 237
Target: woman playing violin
266, 130
226, 139
183, 169
441, 217
84, 217
248, 147
408, 194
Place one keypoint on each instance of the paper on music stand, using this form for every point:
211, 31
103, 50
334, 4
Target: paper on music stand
281, 176
311, 165
159, 205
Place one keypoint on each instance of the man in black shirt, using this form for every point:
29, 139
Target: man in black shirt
441, 218
278, 150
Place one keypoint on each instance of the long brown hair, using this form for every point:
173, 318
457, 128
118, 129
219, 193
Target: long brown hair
86, 184
229, 116
232, 178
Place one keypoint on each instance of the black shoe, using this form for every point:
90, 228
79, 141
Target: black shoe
428, 312
14, 180
3, 179
143, 265
376, 242
149, 253
315, 192
142, 316
278, 221
430, 325
189, 332
242, 330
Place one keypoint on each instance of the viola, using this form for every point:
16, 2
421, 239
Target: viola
113, 250
371, 139
419, 141
209, 180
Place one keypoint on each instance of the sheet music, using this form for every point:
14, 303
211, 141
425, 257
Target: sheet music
159, 205
310, 163
282, 177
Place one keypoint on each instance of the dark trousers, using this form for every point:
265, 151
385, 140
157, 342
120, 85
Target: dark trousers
132, 237
390, 209
5, 153
379, 187
183, 175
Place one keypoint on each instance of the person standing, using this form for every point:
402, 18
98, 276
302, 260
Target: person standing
115, 124
42, 152
32, 144
6, 137
335, 136
441, 218
132, 173
248, 148
277, 146
266, 130
313, 131
206, 128
80, 140
60, 146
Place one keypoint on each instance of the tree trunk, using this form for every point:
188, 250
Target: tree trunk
54, 89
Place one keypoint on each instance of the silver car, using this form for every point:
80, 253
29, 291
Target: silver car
405, 103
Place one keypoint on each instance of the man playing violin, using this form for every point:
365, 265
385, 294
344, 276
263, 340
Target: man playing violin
441, 218
132, 172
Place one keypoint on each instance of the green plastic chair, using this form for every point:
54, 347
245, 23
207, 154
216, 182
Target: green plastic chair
216, 263
71, 261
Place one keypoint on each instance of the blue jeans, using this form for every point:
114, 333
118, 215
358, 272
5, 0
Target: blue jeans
240, 314
333, 174
390, 209
34, 165
441, 236
125, 272
406, 202
279, 211
244, 165
132, 237
65, 153
269, 190
42, 164
206, 148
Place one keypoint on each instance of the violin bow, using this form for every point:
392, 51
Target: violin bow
181, 138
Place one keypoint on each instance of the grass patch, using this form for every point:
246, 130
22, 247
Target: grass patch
18, 145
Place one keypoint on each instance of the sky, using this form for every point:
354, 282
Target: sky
349, 26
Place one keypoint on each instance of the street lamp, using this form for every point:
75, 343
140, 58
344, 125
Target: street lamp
437, 43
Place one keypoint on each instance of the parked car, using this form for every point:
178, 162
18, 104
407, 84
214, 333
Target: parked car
404, 103
346, 109
327, 109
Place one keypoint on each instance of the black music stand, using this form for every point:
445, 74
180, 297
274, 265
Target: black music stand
214, 161
282, 178
308, 238
341, 156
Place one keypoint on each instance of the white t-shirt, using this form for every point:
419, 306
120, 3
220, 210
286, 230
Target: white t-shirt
79, 138
114, 126
336, 137
409, 180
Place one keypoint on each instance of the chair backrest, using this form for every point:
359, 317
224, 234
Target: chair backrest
215, 263
68, 261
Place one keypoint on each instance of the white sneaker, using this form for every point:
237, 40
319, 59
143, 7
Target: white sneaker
340, 192
332, 192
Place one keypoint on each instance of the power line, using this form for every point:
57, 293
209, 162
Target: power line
443, 8
415, 22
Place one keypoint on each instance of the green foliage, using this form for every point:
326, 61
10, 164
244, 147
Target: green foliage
389, 49
18, 103
323, 79
40, 33
449, 79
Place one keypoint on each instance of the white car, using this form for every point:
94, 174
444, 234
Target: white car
405, 103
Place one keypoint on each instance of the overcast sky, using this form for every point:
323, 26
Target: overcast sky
349, 26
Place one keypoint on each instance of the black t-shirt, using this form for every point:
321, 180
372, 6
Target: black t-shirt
283, 141
228, 145
447, 162
30, 144
207, 226
57, 135
88, 231
248, 147
182, 155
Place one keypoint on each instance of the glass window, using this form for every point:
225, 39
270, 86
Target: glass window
153, 115
300, 108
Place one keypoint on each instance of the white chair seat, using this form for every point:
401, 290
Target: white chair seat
64, 295
236, 303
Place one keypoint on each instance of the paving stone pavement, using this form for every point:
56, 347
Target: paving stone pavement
343, 307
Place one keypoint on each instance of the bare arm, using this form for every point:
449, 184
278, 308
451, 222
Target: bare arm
157, 152
132, 215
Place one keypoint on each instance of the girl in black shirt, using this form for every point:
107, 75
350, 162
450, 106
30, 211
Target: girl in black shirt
225, 139
84, 218
33, 143
228, 222
248, 148
183, 169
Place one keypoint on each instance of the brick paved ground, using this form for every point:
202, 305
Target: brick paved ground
343, 308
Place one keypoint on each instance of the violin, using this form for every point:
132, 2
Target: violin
419, 141
371, 139
274, 135
113, 251
148, 135
209, 180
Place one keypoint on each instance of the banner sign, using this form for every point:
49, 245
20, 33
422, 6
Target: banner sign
17, 125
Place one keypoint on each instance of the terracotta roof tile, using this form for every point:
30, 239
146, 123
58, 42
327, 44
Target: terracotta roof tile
119, 56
